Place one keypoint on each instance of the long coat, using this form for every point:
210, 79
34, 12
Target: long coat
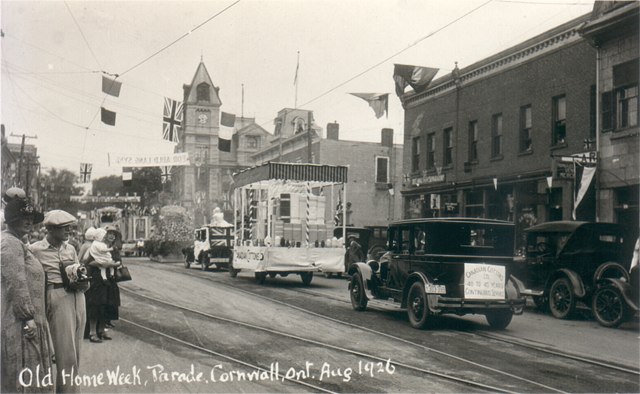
23, 287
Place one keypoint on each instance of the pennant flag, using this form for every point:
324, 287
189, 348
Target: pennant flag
172, 120
111, 86
127, 176
165, 175
107, 117
227, 123
85, 172
549, 181
584, 193
495, 183
415, 76
378, 101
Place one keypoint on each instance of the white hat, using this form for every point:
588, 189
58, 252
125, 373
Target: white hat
90, 234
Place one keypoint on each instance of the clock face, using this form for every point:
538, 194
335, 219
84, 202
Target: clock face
202, 119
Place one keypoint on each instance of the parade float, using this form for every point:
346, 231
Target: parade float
283, 220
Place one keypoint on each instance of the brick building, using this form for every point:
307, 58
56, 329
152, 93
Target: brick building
613, 31
497, 139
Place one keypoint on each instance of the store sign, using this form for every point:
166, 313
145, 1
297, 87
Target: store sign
108, 199
427, 180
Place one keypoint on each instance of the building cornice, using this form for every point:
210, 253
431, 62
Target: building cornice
508, 59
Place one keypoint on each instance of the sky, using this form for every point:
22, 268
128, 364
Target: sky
54, 53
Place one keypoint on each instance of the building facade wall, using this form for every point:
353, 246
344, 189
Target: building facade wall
613, 29
512, 185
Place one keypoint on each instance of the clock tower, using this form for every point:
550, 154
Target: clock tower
198, 186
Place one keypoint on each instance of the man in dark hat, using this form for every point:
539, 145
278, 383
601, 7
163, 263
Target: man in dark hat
66, 309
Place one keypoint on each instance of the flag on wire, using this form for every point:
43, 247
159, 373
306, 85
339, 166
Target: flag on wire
415, 76
584, 192
165, 175
227, 123
85, 172
172, 120
107, 117
127, 176
378, 101
111, 86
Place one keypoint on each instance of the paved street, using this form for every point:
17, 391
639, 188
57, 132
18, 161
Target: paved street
321, 312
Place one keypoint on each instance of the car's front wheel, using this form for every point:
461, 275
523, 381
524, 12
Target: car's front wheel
499, 319
562, 300
418, 306
609, 307
357, 294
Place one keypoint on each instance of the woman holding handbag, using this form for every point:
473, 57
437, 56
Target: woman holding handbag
100, 296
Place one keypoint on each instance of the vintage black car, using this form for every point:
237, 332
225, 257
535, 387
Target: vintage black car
616, 299
443, 265
565, 260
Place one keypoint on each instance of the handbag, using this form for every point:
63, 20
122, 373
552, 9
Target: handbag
122, 274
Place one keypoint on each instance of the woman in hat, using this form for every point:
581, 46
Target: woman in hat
25, 331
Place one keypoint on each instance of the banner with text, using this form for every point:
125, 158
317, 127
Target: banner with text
157, 160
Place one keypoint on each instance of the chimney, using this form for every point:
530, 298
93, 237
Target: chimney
333, 131
387, 138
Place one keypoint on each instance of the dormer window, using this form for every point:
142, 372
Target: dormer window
203, 92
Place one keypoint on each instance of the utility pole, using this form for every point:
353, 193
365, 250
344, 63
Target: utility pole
21, 158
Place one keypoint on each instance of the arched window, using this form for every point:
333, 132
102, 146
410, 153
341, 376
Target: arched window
203, 92
299, 125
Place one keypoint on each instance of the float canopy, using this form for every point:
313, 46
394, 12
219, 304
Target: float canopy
316, 174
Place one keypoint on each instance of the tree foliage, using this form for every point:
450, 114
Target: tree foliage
57, 187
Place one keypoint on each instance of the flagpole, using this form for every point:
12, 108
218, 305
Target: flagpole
296, 81
242, 106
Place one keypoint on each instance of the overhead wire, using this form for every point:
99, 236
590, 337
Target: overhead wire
177, 39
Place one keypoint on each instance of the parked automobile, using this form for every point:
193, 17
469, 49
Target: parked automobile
565, 260
377, 242
129, 248
212, 245
440, 266
616, 299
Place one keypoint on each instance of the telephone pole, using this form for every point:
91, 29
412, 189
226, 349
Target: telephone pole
21, 158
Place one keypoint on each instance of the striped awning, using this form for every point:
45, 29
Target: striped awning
300, 172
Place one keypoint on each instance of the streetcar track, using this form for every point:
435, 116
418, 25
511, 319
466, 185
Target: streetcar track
513, 342
543, 349
456, 379
221, 355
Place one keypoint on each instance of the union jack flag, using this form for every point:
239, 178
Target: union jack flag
165, 176
85, 172
172, 119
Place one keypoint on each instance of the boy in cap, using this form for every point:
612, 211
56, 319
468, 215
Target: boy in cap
66, 310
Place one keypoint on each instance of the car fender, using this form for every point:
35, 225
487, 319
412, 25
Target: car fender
610, 266
625, 289
574, 278
366, 273
514, 289
419, 277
